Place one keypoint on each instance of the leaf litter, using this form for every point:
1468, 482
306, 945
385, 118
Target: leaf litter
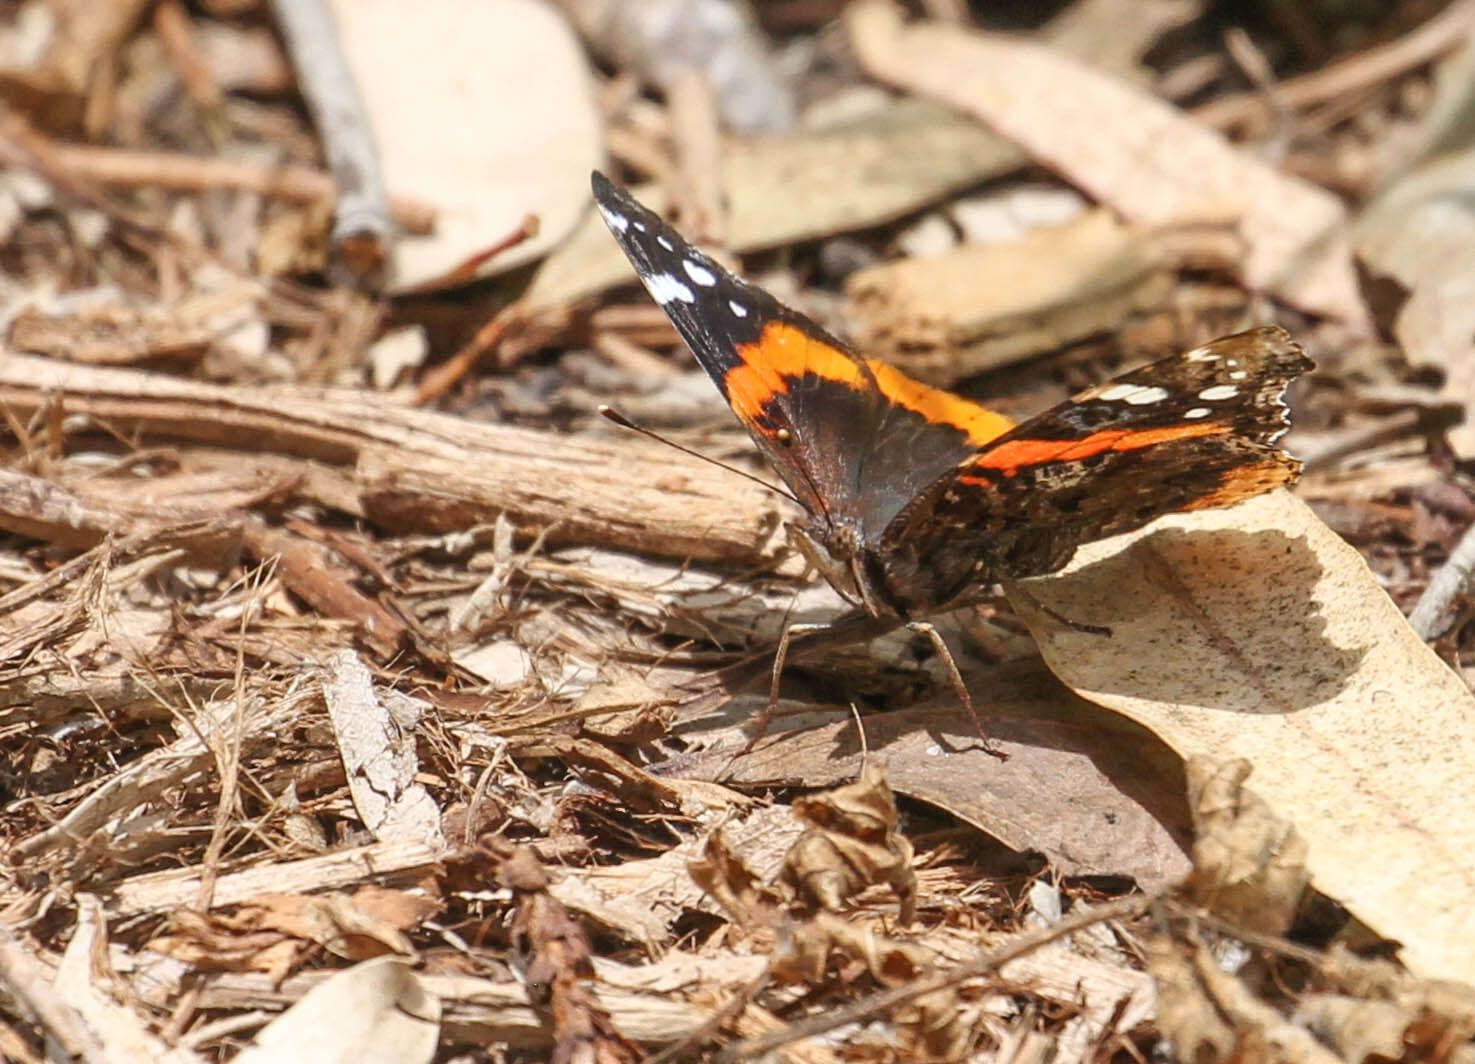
335, 725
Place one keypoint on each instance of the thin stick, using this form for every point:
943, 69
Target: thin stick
1440, 34
171, 23
1446, 585
191, 173
361, 226
887, 1000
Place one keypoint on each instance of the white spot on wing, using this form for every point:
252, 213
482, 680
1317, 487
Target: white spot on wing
614, 219
1238, 375
663, 288
665, 243
1219, 392
639, 226
737, 308
1201, 354
1197, 412
699, 273
1132, 394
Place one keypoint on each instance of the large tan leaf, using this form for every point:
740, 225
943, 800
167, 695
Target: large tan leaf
483, 111
1256, 633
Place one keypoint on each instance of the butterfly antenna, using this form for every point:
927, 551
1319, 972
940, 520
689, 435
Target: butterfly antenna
625, 423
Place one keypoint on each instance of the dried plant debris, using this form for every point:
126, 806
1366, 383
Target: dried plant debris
363, 693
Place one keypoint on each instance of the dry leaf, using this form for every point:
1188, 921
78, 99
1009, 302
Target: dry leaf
1249, 867
1420, 235
86, 985
1256, 633
460, 128
377, 1012
1127, 148
956, 315
781, 190
1097, 795
1208, 1015
852, 844
377, 742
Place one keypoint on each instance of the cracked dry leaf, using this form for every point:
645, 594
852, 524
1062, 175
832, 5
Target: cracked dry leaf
852, 844
1255, 632
376, 740
1249, 866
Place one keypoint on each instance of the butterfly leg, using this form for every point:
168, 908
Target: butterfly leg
956, 678
779, 657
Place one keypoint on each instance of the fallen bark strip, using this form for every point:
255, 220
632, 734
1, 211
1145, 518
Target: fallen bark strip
307, 569
425, 471
478, 1011
156, 892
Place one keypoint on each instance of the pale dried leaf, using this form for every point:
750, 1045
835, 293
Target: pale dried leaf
377, 1012
1255, 632
85, 983
781, 190
377, 744
1419, 234
460, 127
957, 315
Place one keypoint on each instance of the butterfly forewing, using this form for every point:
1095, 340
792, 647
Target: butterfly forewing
854, 439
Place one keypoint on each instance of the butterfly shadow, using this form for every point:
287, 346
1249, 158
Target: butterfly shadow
1222, 619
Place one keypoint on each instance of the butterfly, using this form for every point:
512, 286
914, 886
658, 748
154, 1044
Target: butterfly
916, 498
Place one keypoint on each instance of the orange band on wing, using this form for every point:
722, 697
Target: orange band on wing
784, 353
978, 423
1015, 455
781, 354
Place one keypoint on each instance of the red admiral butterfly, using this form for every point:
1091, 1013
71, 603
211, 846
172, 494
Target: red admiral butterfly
917, 497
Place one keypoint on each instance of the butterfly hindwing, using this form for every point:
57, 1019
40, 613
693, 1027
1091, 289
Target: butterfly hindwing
1190, 432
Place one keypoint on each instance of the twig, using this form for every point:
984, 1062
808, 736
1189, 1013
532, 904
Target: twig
443, 378
171, 23
1447, 584
361, 226
694, 130
989, 962
1440, 34
190, 173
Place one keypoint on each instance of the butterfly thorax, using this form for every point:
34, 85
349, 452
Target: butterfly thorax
862, 572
